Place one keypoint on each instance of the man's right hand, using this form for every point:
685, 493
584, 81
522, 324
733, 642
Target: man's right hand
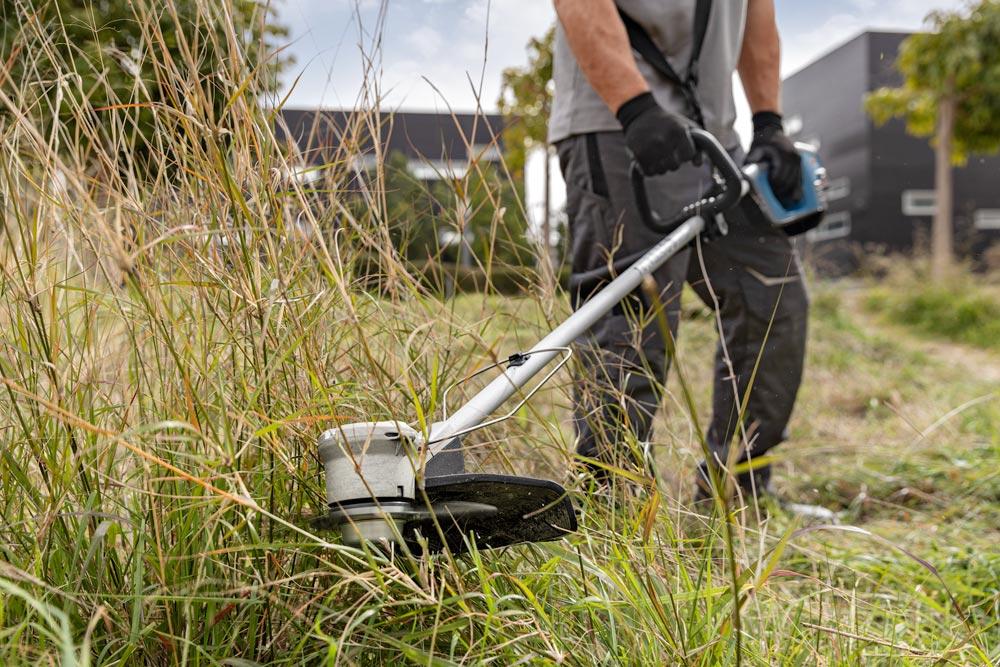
659, 140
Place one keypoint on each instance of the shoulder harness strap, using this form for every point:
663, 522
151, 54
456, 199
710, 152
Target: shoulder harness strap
644, 46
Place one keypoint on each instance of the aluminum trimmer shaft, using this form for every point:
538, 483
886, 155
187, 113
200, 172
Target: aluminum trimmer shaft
513, 379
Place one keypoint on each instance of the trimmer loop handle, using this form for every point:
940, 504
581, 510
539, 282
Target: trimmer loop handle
720, 202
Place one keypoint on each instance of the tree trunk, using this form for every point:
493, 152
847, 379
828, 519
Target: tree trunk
942, 242
547, 213
547, 268
465, 253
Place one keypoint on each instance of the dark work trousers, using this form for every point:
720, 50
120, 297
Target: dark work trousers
751, 277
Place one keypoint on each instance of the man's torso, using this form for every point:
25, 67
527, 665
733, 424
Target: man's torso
577, 108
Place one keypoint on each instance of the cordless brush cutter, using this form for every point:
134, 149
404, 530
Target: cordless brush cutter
388, 483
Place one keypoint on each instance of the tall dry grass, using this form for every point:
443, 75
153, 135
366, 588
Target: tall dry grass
178, 328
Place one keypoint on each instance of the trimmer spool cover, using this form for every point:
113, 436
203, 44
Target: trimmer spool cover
373, 496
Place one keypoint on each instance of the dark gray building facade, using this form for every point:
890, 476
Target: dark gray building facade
436, 145
881, 178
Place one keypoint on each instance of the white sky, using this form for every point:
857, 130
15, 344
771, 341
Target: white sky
445, 44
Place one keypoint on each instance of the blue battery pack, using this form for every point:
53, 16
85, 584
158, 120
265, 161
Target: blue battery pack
804, 214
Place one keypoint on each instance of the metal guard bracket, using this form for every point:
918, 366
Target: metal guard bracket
513, 361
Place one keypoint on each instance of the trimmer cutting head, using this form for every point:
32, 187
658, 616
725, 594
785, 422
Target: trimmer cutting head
374, 497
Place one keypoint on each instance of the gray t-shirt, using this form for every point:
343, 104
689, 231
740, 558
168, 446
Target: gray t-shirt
577, 108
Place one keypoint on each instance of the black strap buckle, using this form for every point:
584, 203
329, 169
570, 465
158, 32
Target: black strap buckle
517, 359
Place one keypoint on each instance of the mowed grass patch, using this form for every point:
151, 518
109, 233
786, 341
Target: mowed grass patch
910, 419
960, 309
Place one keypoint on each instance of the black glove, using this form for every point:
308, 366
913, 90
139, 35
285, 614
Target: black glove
659, 140
772, 148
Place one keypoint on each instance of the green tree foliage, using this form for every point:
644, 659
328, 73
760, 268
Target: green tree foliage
951, 91
525, 102
110, 67
958, 59
492, 215
410, 210
424, 215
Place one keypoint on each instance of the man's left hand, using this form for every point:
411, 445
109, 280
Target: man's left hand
772, 148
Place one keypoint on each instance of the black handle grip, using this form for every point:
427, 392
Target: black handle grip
732, 187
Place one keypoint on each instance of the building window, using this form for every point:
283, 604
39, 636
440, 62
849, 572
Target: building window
835, 226
488, 152
987, 218
838, 188
436, 170
919, 202
364, 163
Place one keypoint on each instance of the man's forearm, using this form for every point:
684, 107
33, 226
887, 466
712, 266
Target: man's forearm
760, 59
600, 44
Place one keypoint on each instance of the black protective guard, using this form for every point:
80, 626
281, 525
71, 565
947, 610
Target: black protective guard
528, 510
